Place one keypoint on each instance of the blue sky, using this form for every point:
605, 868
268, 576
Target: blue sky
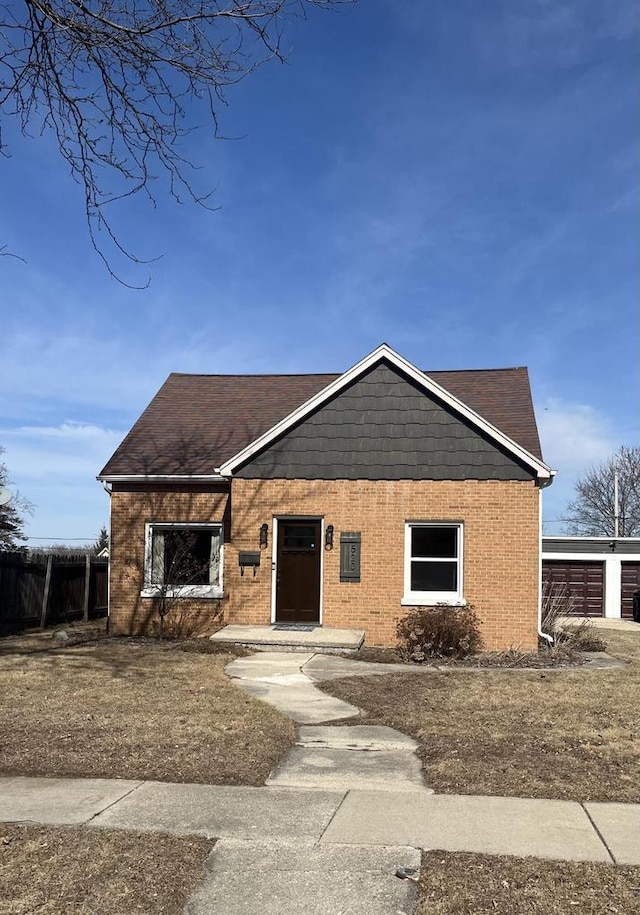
459, 180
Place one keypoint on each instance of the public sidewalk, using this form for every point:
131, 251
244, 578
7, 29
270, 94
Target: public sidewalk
561, 830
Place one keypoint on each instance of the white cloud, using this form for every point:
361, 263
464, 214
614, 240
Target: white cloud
64, 453
55, 468
91, 372
574, 437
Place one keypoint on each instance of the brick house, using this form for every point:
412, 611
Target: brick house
335, 500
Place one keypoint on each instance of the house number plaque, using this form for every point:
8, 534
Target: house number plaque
350, 543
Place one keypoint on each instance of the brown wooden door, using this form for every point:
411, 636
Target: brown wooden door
298, 572
630, 582
584, 581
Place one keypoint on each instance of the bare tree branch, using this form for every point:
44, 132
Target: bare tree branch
592, 511
116, 81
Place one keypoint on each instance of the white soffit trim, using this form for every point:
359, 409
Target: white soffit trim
162, 477
382, 352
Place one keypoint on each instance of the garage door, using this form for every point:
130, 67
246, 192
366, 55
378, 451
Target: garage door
630, 583
584, 582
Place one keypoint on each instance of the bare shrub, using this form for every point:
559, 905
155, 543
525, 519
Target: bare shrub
558, 603
185, 622
441, 631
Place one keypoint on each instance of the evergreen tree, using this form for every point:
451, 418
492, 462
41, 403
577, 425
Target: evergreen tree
102, 541
12, 536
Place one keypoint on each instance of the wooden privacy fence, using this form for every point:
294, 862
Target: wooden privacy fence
40, 589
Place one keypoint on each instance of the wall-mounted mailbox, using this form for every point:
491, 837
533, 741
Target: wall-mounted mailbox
249, 559
350, 543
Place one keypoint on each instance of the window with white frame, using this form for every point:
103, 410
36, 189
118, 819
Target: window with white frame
432, 563
185, 558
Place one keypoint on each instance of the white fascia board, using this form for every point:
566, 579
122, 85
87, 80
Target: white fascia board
163, 478
543, 472
570, 537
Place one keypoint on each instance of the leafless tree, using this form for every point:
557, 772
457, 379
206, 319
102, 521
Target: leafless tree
181, 567
592, 511
118, 82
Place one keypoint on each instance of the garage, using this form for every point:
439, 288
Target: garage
584, 582
602, 573
629, 582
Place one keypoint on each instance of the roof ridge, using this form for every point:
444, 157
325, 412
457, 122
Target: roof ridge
502, 368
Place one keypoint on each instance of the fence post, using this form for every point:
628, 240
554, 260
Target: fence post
45, 596
87, 579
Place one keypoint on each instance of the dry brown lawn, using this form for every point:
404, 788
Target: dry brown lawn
132, 709
469, 884
565, 733
63, 870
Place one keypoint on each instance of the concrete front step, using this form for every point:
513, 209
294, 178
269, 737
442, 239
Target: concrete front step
319, 638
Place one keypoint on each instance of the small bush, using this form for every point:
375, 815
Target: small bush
559, 603
441, 631
182, 621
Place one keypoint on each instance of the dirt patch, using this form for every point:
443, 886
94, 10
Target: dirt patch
132, 709
56, 871
570, 734
561, 657
469, 884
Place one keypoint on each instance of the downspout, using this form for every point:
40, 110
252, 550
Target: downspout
108, 490
543, 635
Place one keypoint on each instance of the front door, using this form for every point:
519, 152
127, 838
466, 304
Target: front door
298, 572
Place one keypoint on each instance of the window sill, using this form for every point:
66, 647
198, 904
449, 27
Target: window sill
430, 599
201, 592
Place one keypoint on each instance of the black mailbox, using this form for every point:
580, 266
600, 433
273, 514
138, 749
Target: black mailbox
250, 558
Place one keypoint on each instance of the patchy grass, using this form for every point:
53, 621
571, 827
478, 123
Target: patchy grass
565, 733
59, 870
132, 709
470, 884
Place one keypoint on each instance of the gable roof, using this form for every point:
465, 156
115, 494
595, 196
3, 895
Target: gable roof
201, 426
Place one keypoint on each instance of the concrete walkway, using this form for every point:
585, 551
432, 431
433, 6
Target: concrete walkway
344, 812
328, 758
601, 622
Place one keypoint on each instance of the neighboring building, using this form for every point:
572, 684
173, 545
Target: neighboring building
335, 500
600, 574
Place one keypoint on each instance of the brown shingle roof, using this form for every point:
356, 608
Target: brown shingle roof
196, 422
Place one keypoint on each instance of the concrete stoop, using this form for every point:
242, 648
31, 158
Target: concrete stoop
293, 638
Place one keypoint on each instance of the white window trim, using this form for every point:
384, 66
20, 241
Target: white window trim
194, 591
429, 598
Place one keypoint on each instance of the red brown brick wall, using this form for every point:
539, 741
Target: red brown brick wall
501, 549
131, 508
